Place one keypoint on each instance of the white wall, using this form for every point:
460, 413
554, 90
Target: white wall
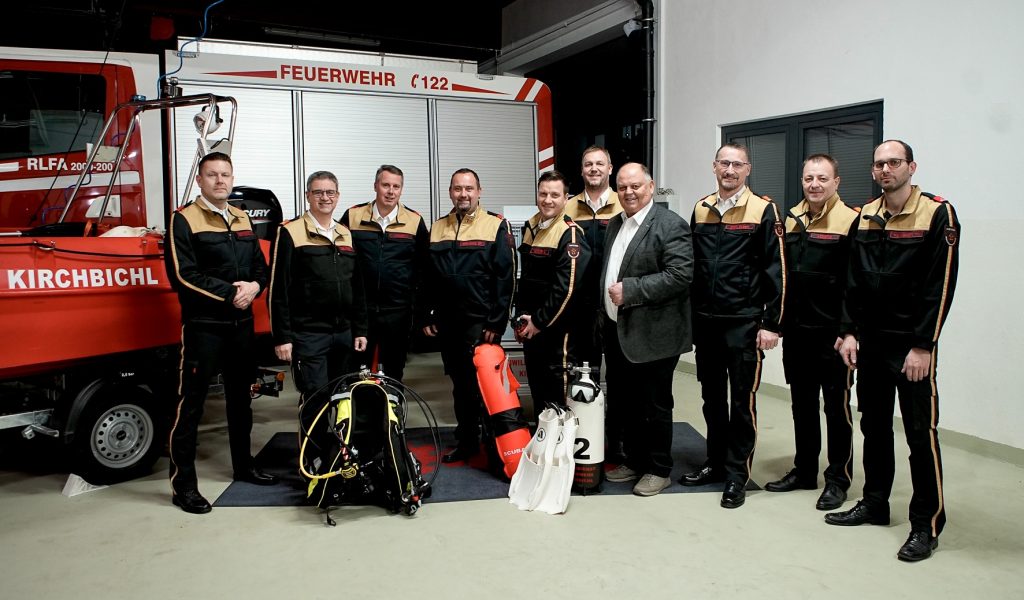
950, 78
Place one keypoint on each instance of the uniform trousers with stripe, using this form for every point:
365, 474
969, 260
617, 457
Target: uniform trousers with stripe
728, 359
879, 362
548, 356
208, 348
815, 370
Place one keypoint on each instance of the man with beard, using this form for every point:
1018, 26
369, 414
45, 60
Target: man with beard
903, 272
738, 293
468, 293
592, 210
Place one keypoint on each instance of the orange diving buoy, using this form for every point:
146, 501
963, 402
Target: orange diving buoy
498, 387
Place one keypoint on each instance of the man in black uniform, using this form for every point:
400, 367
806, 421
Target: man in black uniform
468, 294
902, 276
818, 234
554, 257
591, 210
217, 268
391, 242
738, 292
317, 305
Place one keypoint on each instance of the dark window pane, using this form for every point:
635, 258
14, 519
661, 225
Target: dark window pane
767, 164
49, 113
852, 145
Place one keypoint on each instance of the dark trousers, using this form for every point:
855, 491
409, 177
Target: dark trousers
548, 357
321, 358
879, 362
457, 355
208, 348
814, 367
387, 343
728, 359
644, 394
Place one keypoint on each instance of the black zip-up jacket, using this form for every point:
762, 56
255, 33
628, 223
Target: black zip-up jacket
205, 255
818, 257
739, 261
314, 284
903, 270
553, 261
471, 279
594, 224
391, 261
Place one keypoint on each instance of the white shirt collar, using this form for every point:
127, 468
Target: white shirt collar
226, 213
545, 224
388, 218
725, 204
640, 215
601, 200
328, 232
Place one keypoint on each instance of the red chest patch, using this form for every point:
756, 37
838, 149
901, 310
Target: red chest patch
828, 237
540, 251
244, 234
400, 236
741, 226
472, 244
906, 235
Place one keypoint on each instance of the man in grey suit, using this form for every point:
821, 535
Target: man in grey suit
647, 270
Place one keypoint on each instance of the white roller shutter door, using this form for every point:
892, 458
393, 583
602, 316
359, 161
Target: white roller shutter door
353, 135
495, 140
262, 150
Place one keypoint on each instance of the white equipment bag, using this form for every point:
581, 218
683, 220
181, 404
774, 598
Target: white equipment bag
543, 480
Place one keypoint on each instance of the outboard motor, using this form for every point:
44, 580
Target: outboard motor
262, 207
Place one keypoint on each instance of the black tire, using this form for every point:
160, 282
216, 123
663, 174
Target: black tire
118, 436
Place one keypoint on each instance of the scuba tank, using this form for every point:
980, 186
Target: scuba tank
586, 400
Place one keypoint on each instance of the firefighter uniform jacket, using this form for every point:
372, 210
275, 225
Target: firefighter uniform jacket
553, 263
817, 256
593, 224
740, 265
314, 284
903, 270
472, 271
391, 261
206, 255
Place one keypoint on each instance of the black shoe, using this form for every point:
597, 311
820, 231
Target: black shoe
858, 515
255, 476
703, 476
832, 497
461, 452
191, 501
734, 495
918, 546
792, 481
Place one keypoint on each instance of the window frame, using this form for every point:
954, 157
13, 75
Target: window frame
795, 126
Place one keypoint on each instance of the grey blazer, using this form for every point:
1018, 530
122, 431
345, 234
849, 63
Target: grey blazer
657, 269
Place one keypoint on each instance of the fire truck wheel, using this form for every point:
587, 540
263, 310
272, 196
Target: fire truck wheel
118, 436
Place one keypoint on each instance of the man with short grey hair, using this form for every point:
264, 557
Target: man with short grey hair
646, 279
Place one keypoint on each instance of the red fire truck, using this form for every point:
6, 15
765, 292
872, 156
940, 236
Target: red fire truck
93, 158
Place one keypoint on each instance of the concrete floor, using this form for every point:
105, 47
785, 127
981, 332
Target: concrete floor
128, 541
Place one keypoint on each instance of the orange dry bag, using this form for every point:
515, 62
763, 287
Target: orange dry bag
498, 387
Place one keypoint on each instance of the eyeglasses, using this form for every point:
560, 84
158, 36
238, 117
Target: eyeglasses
894, 163
725, 164
329, 194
